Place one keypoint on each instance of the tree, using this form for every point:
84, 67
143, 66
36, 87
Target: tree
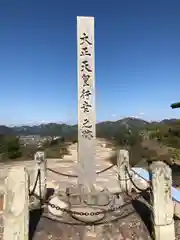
13, 147
9, 147
175, 105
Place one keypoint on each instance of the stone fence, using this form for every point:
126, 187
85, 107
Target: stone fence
17, 183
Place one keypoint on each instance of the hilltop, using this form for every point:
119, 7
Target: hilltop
57, 129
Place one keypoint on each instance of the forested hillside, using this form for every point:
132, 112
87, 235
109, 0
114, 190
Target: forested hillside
145, 140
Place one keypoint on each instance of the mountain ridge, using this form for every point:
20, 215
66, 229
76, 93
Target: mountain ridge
66, 129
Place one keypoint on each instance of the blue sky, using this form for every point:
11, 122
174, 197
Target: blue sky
137, 59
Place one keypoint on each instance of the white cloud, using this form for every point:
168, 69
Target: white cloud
139, 115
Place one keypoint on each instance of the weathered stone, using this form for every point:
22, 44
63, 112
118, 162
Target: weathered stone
103, 199
55, 200
163, 211
91, 198
117, 201
123, 167
1, 202
75, 199
86, 102
16, 202
87, 218
41, 164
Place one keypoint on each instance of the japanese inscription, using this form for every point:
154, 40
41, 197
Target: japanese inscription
85, 39
85, 80
85, 66
85, 94
85, 75
87, 129
86, 100
84, 52
85, 107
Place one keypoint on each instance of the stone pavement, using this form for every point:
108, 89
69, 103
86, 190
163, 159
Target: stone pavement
127, 225
107, 179
68, 165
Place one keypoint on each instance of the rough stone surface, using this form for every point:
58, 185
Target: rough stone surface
62, 204
86, 113
87, 209
16, 204
126, 225
123, 165
162, 201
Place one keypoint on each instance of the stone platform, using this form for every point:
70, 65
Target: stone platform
124, 224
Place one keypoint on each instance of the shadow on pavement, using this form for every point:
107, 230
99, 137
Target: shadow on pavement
35, 216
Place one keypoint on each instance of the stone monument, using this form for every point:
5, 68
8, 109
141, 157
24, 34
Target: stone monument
86, 102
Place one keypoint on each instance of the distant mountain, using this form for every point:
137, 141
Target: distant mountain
106, 128
44, 129
6, 130
109, 129
133, 122
168, 121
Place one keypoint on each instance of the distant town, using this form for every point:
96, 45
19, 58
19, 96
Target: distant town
36, 140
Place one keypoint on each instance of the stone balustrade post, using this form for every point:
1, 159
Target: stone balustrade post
16, 205
163, 209
41, 164
123, 164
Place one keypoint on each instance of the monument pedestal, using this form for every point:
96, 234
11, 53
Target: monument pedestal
86, 207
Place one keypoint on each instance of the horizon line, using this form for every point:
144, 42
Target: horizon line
73, 124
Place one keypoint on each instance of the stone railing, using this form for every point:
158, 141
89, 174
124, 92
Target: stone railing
18, 182
160, 184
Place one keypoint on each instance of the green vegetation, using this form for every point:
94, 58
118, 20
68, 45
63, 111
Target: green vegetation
175, 105
55, 148
12, 149
9, 147
145, 141
152, 141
